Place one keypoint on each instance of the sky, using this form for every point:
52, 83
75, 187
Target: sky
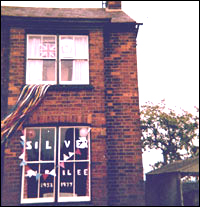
167, 50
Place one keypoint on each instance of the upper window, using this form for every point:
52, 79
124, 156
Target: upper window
55, 59
56, 174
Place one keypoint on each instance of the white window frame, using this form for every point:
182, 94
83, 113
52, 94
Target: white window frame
74, 198
40, 58
58, 59
59, 199
85, 57
38, 200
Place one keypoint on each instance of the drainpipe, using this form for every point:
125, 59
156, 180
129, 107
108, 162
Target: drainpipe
179, 190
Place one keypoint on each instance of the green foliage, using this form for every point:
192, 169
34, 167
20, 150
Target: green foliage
173, 133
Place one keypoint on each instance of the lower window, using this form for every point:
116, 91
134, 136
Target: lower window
56, 164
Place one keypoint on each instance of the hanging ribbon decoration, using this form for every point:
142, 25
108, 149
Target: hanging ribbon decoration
28, 100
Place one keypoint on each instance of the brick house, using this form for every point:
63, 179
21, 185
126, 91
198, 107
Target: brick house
82, 143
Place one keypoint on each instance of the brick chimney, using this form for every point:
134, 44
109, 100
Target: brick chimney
113, 5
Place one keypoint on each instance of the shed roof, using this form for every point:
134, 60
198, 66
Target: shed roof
72, 13
188, 166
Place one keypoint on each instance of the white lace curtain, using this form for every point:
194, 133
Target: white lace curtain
81, 72
34, 67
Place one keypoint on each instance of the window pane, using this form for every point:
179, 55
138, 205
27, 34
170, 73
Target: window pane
41, 46
67, 144
34, 46
66, 70
75, 71
47, 144
48, 70
46, 180
66, 47
48, 47
34, 71
81, 71
82, 179
66, 180
40, 70
81, 150
30, 182
49, 39
32, 144
81, 47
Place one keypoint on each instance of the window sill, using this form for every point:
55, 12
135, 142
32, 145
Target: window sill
70, 87
77, 203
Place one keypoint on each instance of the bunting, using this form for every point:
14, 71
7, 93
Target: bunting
30, 172
30, 97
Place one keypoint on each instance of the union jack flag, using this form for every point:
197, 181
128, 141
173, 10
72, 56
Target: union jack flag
47, 50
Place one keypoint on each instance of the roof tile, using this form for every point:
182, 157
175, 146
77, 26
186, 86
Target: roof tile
84, 13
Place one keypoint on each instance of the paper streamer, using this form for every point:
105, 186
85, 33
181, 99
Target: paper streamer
30, 97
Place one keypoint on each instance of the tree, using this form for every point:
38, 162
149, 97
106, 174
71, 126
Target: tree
174, 134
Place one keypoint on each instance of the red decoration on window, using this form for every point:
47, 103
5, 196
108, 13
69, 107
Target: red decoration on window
27, 168
62, 164
47, 50
45, 176
30, 133
78, 152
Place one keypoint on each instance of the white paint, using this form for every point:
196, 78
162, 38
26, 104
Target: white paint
47, 145
67, 143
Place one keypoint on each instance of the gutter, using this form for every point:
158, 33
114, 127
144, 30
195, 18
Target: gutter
137, 25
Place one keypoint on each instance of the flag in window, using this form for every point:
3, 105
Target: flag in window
47, 50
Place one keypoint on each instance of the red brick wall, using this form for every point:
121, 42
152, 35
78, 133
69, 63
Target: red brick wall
11, 176
111, 107
12, 173
84, 106
114, 4
79, 106
16, 65
125, 181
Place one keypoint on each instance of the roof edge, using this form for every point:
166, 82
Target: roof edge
116, 16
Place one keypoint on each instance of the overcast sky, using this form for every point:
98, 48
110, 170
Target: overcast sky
168, 51
167, 48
